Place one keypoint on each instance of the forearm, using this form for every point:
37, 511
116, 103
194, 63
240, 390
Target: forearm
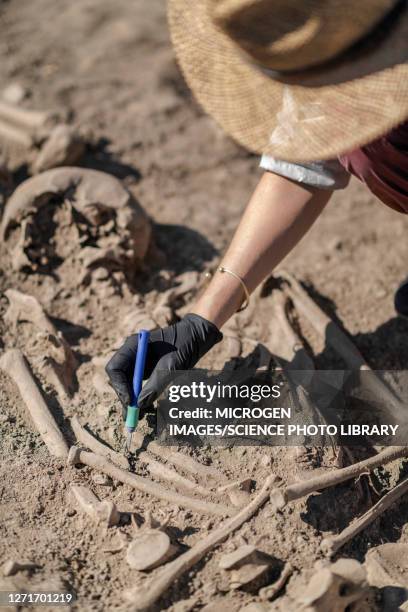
278, 215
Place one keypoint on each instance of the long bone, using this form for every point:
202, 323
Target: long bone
78, 455
280, 497
15, 365
335, 336
332, 544
144, 597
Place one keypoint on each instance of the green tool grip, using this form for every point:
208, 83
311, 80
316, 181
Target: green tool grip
132, 418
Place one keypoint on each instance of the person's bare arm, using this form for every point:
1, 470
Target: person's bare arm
278, 215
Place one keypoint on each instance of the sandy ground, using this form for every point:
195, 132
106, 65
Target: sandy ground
110, 65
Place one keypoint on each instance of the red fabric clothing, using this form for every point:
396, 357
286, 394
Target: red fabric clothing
383, 166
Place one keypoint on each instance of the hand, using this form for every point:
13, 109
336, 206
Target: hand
177, 347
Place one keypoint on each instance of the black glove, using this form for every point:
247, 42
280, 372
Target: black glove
177, 347
401, 299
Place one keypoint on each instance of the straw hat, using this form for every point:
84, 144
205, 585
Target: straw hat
299, 79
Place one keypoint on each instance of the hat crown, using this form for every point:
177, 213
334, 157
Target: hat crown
290, 35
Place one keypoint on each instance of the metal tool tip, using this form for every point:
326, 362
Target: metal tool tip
129, 441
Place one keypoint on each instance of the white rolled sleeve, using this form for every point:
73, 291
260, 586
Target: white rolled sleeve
328, 174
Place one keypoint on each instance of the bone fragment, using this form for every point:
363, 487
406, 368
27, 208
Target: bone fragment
339, 587
12, 567
150, 549
87, 500
238, 491
249, 576
19, 258
331, 544
339, 340
102, 480
269, 592
243, 554
15, 365
63, 147
14, 93
163, 472
144, 597
24, 307
89, 503
77, 455
118, 543
88, 440
247, 566
23, 117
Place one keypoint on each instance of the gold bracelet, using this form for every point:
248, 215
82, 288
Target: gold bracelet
244, 287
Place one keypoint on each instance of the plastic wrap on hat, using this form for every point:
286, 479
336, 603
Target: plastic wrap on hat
292, 116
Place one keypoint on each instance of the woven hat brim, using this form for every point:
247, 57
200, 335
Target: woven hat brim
290, 122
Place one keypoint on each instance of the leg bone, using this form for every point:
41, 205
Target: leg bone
15, 365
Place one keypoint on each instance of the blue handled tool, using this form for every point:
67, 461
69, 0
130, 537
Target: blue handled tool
132, 416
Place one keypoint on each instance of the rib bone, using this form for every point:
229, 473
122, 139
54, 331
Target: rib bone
161, 471
77, 455
146, 596
87, 439
15, 365
186, 463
